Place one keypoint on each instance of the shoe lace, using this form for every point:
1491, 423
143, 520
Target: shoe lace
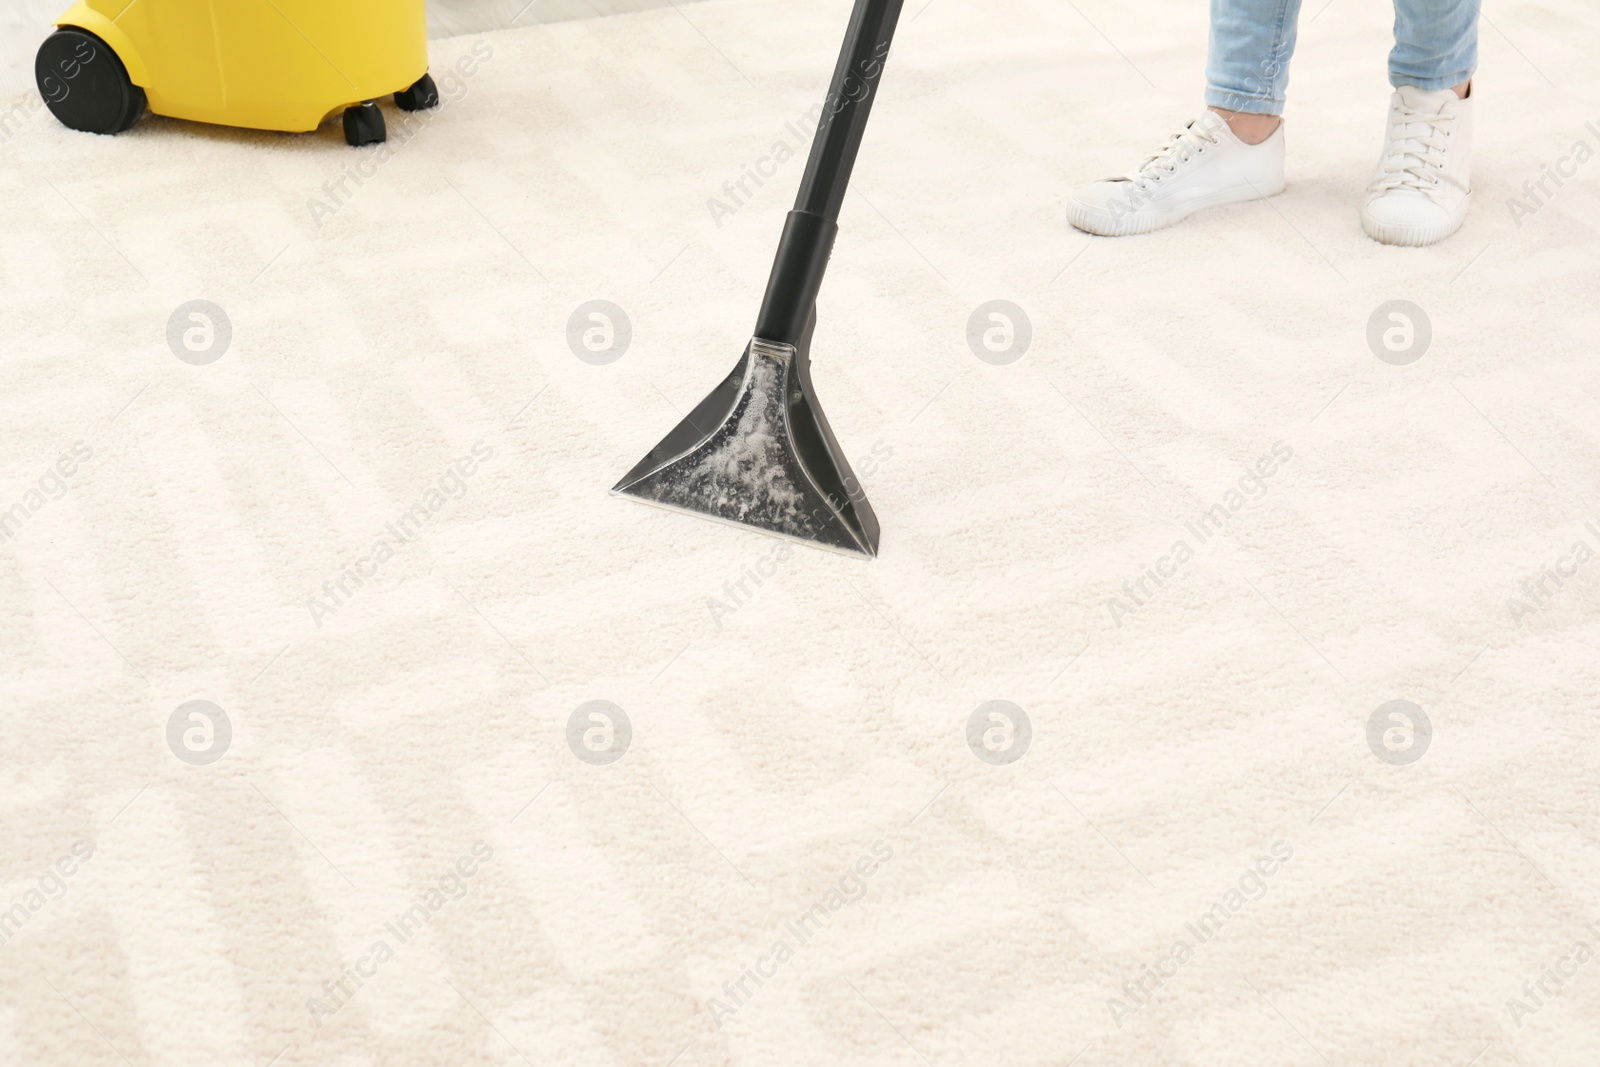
1414, 156
1179, 149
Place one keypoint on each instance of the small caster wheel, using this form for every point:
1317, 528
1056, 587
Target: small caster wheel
420, 97
85, 84
363, 125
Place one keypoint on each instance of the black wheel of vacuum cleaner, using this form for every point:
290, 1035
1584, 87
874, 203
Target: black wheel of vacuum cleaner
85, 84
363, 125
420, 97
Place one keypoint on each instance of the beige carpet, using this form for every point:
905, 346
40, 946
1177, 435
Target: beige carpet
375, 536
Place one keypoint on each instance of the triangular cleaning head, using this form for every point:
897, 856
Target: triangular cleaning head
758, 452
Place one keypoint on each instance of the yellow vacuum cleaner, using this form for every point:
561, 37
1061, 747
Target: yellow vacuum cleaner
261, 64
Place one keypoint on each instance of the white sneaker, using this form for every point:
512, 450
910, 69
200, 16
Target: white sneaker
1202, 166
1423, 186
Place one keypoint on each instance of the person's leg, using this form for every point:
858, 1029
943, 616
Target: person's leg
1435, 44
1232, 153
1247, 68
1423, 185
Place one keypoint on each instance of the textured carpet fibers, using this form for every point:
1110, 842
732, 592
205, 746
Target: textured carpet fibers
1101, 762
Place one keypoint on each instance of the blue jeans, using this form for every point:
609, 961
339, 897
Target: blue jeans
1435, 47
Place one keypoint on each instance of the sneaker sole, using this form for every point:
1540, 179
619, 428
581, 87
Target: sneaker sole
1099, 221
1410, 236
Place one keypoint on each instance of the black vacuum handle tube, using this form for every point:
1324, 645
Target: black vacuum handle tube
844, 115
808, 235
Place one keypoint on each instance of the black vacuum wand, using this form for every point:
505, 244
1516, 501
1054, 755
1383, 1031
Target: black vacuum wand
758, 450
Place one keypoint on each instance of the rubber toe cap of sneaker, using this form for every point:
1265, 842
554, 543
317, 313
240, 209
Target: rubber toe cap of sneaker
1090, 207
1407, 220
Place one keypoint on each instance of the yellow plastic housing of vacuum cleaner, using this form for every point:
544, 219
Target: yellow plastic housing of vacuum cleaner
261, 64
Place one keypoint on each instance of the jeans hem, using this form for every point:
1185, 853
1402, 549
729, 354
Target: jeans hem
1446, 81
1228, 100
